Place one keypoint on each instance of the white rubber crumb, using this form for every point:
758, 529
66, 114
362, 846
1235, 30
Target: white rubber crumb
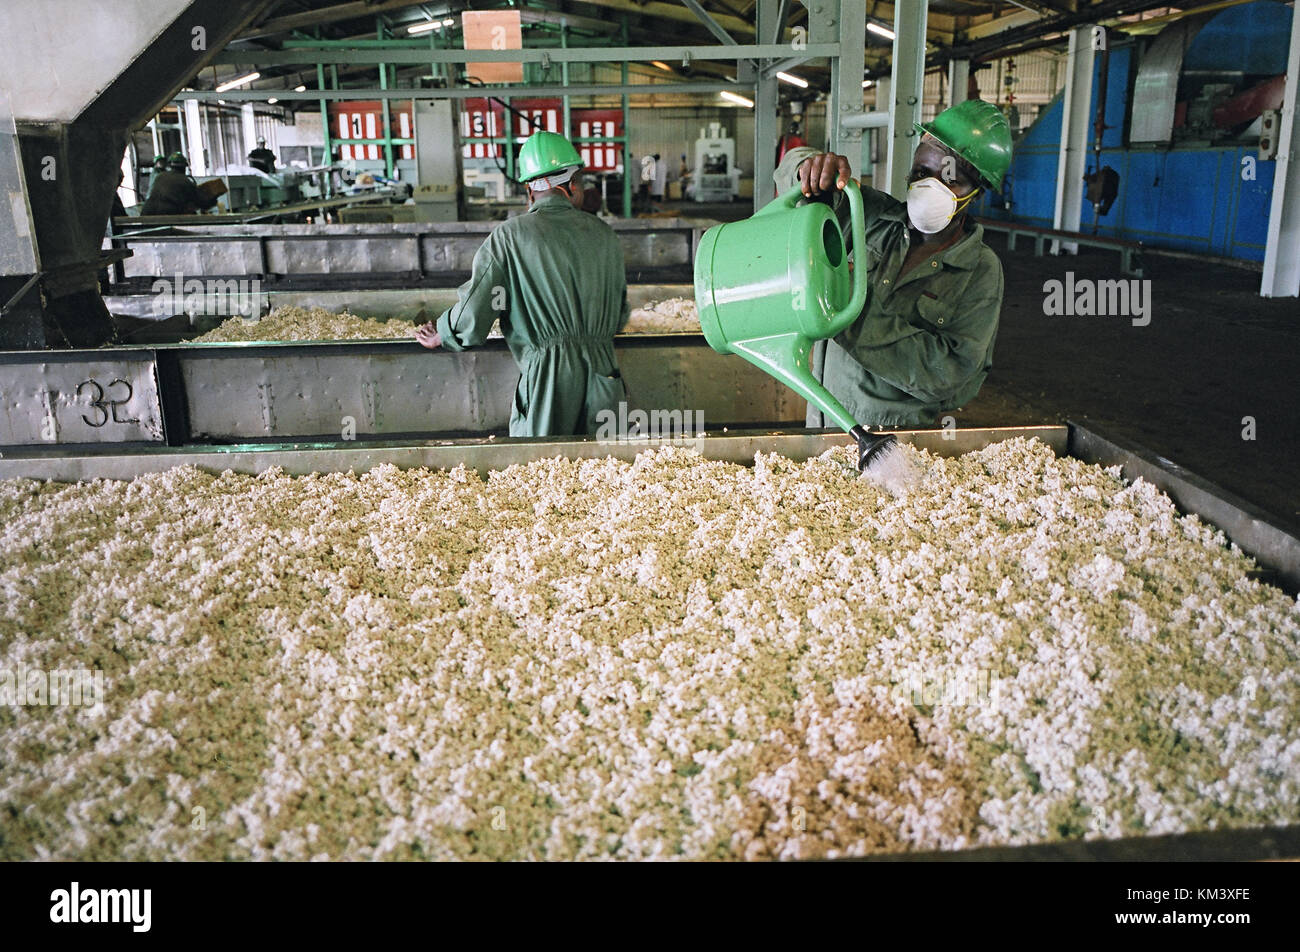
671, 658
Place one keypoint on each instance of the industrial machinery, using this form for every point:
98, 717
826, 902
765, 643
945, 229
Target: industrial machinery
768, 286
716, 177
73, 117
1207, 79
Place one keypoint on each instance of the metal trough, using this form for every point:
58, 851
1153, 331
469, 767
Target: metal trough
177, 395
369, 255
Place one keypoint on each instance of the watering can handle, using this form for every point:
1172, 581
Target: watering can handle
857, 225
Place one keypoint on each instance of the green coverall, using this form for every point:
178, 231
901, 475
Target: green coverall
924, 341
555, 278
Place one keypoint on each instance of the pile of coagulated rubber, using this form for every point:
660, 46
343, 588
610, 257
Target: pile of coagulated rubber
287, 323
290, 323
668, 658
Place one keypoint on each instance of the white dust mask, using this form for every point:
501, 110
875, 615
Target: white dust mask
930, 205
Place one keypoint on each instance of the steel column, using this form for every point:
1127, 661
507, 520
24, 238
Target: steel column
1282, 251
248, 121
907, 81
958, 81
880, 137
627, 135
766, 103
325, 124
194, 140
564, 78
1075, 120
846, 86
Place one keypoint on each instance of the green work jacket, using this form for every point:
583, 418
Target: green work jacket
555, 279
173, 193
924, 341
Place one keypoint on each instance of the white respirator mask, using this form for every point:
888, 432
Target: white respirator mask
931, 205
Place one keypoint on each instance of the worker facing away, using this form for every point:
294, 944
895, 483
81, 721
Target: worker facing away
172, 192
660, 184
555, 279
924, 341
262, 158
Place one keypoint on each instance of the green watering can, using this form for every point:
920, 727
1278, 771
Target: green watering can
769, 286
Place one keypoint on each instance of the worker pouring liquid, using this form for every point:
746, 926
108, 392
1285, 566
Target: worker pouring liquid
924, 341
556, 280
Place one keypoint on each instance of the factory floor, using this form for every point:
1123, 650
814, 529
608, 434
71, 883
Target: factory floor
1213, 353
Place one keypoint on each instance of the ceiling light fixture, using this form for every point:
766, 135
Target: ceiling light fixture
238, 81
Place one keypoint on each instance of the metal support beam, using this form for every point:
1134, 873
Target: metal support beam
564, 79
958, 81
880, 137
468, 92
611, 54
194, 140
782, 65
325, 120
906, 79
1282, 250
713, 26
627, 134
386, 109
766, 103
248, 122
867, 120
778, 27
846, 85
1075, 120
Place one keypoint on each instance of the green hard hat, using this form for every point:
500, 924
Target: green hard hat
978, 132
545, 153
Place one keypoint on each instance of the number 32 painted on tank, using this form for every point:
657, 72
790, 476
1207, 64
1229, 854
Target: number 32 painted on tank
107, 408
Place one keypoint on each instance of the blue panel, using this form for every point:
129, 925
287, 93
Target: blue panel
1033, 190
1046, 130
1141, 190
1221, 224
1249, 230
1252, 37
1190, 198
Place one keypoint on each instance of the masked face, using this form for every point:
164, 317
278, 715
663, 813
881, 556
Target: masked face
931, 205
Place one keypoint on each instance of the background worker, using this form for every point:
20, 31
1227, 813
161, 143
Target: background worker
924, 341
660, 184
262, 158
647, 181
172, 192
555, 279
